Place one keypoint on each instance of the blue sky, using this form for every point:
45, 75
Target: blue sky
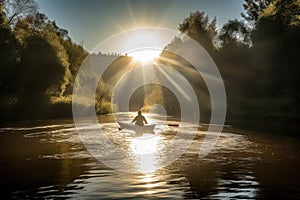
93, 21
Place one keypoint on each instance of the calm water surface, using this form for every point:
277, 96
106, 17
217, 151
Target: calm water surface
46, 159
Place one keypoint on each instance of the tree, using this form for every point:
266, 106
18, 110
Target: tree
2, 14
39, 26
198, 27
234, 62
276, 40
76, 55
235, 32
253, 9
39, 68
15, 9
8, 52
36, 56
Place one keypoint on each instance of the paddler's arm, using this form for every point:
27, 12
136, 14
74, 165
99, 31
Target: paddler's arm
133, 120
145, 120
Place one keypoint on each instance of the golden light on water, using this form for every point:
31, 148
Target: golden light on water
144, 144
144, 149
151, 184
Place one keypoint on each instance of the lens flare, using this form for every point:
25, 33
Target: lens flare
145, 56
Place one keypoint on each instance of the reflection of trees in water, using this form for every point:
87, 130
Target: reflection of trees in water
202, 180
37, 169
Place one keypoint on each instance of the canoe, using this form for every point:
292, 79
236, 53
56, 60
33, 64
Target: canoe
147, 128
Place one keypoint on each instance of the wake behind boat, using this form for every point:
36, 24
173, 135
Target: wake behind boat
147, 128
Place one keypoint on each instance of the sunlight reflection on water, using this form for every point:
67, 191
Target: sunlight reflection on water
144, 149
63, 168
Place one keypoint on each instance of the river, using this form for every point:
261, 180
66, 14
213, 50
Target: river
47, 159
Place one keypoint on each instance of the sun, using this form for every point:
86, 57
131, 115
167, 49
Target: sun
145, 56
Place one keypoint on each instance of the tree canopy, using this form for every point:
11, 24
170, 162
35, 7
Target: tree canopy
38, 60
258, 57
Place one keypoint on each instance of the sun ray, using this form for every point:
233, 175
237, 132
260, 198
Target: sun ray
133, 18
176, 85
120, 27
143, 56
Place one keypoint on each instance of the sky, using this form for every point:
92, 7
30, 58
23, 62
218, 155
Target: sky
93, 21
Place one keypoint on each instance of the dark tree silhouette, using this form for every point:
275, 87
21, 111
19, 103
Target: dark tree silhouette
38, 70
35, 58
253, 8
234, 32
257, 57
198, 27
8, 52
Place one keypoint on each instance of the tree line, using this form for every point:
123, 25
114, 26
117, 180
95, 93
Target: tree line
258, 57
39, 62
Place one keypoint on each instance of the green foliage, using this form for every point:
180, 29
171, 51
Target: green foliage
154, 96
258, 59
40, 27
8, 52
276, 40
235, 33
36, 57
253, 9
273, 62
198, 27
287, 11
76, 55
106, 107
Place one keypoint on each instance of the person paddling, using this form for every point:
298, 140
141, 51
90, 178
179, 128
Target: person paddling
139, 119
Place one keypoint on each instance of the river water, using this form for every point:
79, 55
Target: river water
47, 159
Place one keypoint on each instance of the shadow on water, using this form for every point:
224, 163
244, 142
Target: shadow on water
33, 163
46, 159
267, 126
